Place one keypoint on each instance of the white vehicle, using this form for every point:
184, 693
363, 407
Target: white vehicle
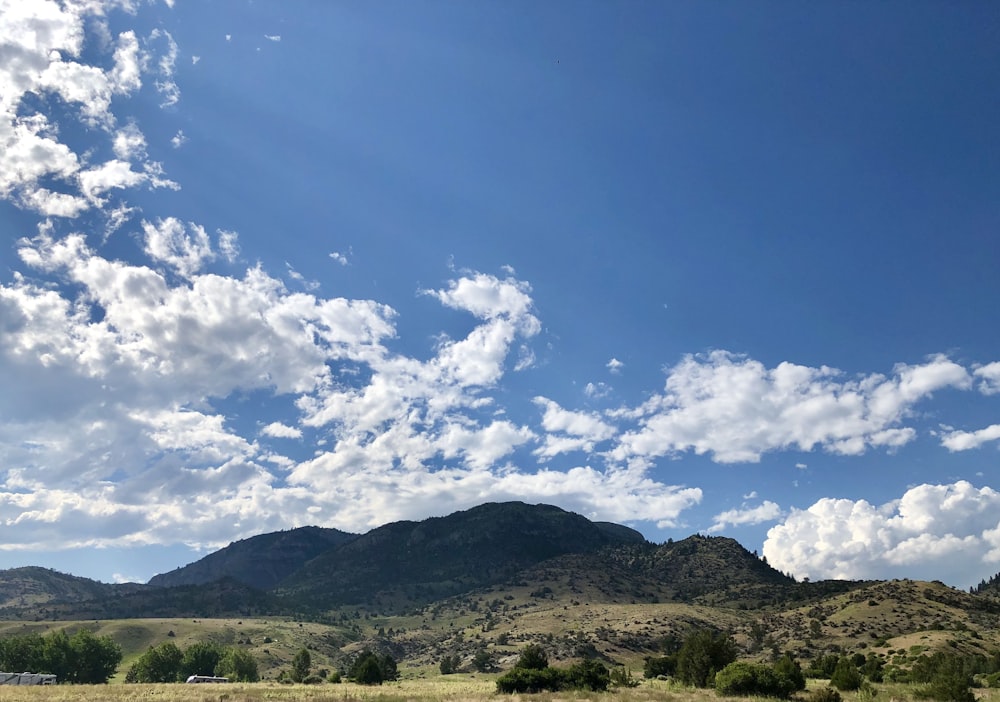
206, 679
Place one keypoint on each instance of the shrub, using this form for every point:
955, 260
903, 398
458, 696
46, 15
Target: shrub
846, 676
703, 654
588, 674
622, 677
825, 694
655, 666
790, 674
743, 679
949, 680
449, 665
521, 680
533, 657
369, 668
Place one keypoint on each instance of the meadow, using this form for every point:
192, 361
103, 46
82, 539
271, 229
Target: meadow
460, 688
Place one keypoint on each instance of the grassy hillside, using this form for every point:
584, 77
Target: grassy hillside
573, 617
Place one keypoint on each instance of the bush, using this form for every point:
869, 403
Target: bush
742, 679
702, 655
521, 680
825, 694
846, 676
449, 664
533, 657
622, 677
588, 674
790, 674
655, 666
369, 668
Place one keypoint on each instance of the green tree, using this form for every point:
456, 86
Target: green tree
588, 674
790, 674
238, 665
57, 653
946, 676
449, 664
482, 661
300, 665
846, 676
370, 668
158, 664
702, 655
22, 653
533, 657
94, 659
656, 666
200, 658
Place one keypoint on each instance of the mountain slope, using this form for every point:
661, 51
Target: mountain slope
404, 564
260, 562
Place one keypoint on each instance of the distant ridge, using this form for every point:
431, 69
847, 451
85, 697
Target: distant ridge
259, 562
32, 586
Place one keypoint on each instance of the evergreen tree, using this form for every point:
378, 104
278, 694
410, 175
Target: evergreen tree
300, 665
703, 654
533, 657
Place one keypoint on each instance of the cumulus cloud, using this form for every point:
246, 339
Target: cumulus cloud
41, 44
930, 530
120, 371
766, 511
568, 430
735, 409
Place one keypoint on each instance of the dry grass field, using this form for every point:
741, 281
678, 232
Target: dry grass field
450, 689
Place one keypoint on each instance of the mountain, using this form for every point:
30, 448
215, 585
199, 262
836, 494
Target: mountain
260, 562
494, 578
405, 564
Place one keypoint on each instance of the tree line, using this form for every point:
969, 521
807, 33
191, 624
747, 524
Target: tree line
82, 658
167, 662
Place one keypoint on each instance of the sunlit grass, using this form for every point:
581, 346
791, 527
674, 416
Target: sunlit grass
443, 689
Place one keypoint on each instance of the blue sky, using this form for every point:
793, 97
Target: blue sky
724, 268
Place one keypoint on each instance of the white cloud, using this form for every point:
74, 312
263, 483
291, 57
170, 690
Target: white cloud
170, 93
339, 258
989, 378
965, 440
930, 530
178, 140
41, 43
185, 248
615, 366
766, 511
735, 409
281, 431
492, 298
570, 431
597, 390
228, 245
273, 37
